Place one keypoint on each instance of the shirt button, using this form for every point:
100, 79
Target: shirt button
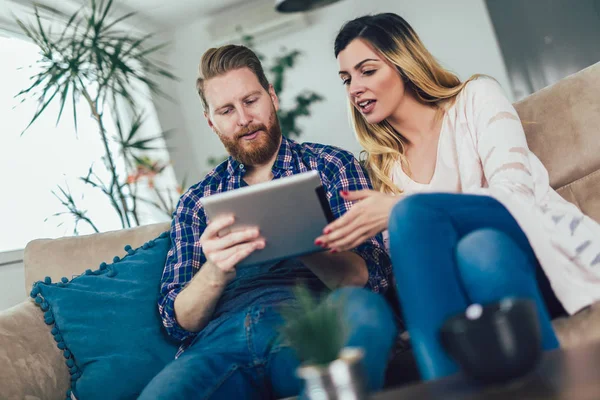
241, 166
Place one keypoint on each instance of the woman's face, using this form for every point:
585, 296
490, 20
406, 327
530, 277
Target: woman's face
374, 87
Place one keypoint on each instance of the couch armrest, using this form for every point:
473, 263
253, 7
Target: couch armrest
31, 366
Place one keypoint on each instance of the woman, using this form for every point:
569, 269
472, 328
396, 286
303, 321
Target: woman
494, 228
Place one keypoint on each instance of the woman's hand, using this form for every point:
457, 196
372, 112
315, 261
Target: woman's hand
368, 217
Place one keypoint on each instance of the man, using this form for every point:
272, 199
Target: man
226, 318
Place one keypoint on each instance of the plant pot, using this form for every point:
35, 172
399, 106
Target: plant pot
343, 378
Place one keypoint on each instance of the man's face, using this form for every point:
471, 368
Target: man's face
244, 115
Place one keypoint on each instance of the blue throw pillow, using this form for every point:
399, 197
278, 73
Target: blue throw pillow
107, 324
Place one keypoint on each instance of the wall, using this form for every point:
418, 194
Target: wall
542, 45
12, 285
12, 279
459, 33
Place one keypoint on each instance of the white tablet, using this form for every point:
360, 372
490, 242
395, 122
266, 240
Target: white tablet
290, 212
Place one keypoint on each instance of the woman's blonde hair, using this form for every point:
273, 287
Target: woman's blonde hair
396, 41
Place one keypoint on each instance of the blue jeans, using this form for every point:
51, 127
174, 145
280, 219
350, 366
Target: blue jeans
241, 356
452, 250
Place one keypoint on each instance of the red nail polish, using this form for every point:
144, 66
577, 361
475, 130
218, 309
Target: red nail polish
318, 242
327, 231
333, 251
345, 192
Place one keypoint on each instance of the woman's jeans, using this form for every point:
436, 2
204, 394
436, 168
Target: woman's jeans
452, 250
241, 356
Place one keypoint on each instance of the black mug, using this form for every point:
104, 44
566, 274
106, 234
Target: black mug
495, 343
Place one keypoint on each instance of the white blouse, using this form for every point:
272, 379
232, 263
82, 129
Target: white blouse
445, 175
483, 150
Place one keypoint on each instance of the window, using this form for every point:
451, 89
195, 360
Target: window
46, 155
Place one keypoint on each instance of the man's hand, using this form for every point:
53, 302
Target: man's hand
368, 217
224, 252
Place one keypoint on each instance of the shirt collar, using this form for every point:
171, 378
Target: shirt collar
284, 160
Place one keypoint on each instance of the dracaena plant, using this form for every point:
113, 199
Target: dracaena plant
91, 55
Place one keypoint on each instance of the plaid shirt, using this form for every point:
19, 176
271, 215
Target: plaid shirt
339, 171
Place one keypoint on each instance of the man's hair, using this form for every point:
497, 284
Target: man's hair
219, 61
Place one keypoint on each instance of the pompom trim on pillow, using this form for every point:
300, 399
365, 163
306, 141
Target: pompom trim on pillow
36, 294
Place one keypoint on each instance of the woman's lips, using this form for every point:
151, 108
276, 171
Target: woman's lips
367, 106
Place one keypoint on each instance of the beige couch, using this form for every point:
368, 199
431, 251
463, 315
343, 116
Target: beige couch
563, 128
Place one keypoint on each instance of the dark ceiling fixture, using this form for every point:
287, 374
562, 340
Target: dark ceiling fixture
290, 6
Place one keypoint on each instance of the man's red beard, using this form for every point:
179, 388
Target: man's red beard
259, 150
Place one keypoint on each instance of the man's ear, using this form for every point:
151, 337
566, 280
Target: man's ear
274, 97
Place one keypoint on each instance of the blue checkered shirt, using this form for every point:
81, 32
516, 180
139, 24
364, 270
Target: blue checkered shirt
339, 171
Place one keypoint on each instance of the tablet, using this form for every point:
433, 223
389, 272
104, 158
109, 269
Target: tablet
290, 212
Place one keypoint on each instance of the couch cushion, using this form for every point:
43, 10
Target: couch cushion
562, 124
107, 323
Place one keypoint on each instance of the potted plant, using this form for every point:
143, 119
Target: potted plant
317, 333
94, 56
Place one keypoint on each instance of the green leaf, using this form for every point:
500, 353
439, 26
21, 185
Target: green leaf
104, 14
68, 25
135, 126
40, 110
74, 101
26, 30
31, 33
50, 9
144, 144
151, 50
63, 99
106, 28
39, 79
40, 27
135, 44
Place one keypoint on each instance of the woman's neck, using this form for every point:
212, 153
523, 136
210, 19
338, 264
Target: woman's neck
415, 121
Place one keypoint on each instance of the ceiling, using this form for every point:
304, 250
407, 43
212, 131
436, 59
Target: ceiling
174, 12
163, 14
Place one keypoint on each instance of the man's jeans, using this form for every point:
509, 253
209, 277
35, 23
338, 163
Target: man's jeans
241, 356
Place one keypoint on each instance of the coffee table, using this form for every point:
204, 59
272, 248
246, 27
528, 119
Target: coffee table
572, 374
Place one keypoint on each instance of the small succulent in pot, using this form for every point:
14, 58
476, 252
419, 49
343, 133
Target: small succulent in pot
316, 330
